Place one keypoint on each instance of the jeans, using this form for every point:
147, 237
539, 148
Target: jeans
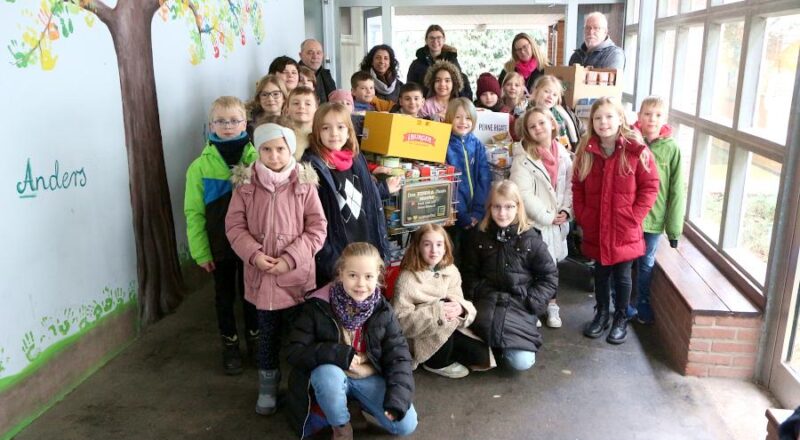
519, 360
228, 284
332, 388
645, 275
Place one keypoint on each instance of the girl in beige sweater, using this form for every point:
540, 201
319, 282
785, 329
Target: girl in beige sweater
431, 308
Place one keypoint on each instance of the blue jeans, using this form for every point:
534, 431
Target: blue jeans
519, 360
645, 275
332, 388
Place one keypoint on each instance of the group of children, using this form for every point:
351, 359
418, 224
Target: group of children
295, 217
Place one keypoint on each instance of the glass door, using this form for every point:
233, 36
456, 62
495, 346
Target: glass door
359, 28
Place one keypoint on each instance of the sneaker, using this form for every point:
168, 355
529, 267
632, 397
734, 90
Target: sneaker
631, 312
231, 357
645, 314
553, 320
538, 322
453, 371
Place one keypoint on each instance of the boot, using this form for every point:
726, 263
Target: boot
599, 324
268, 381
344, 432
231, 357
619, 330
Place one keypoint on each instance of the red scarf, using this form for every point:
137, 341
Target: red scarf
342, 160
549, 157
525, 68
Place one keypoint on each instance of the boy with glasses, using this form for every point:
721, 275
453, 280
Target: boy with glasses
208, 192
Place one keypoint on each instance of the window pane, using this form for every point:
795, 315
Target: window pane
696, 5
776, 78
632, 12
685, 92
667, 8
630, 61
716, 172
726, 75
758, 215
685, 139
662, 64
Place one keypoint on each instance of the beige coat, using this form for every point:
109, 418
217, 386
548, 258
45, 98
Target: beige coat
418, 298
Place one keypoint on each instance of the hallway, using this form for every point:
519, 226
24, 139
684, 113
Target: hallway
169, 385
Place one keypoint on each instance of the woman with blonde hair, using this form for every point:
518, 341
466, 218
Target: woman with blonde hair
527, 59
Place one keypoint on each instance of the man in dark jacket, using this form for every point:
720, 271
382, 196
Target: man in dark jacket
311, 56
597, 49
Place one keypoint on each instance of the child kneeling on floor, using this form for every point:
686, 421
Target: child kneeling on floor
432, 310
347, 343
510, 276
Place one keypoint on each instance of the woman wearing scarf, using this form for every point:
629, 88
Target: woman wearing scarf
382, 65
527, 59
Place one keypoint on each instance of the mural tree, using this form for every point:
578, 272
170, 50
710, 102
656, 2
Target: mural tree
218, 24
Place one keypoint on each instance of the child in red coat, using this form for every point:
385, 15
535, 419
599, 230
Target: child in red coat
614, 185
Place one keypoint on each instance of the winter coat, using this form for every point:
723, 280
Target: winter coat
205, 204
670, 206
571, 124
424, 60
315, 340
468, 155
610, 206
510, 284
285, 222
542, 202
418, 299
606, 55
325, 83
336, 240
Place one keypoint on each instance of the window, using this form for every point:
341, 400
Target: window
630, 62
722, 64
705, 208
662, 64
770, 118
667, 8
632, 12
687, 62
685, 137
696, 5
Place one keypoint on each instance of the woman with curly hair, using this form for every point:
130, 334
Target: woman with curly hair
382, 65
269, 100
443, 81
527, 59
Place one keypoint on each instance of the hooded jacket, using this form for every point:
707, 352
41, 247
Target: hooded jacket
468, 155
315, 340
510, 284
205, 203
285, 221
610, 206
424, 60
606, 54
670, 206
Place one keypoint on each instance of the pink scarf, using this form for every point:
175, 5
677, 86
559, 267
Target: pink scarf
341, 160
525, 68
549, 157
271, 179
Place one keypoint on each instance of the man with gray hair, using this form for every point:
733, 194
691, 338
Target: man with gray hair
311, 56
597, 49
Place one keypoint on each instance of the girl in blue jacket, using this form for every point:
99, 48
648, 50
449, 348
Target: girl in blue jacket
468, 155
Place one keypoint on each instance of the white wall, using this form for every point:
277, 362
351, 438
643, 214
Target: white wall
67, 256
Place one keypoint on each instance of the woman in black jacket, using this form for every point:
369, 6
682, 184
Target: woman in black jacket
510, 276
434, 50
347, 342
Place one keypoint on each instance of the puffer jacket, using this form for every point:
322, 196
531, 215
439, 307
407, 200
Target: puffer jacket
606, 55
418, 299
418, 68
510, 284
315, 340
670, 206
468, 155
542, 201
285, 222
610, 206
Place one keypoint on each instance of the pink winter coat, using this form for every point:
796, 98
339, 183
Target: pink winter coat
610, 206
287, 222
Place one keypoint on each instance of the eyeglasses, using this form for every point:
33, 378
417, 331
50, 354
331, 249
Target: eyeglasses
274, 94
224, 123
594, 29
522, 47
507, 207
436, 39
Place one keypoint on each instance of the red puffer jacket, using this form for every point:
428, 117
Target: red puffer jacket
610, 206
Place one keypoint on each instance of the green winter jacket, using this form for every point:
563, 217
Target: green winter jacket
670, 207
208, 193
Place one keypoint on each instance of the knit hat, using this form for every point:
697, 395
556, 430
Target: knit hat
488, 83
268, 132
341, 95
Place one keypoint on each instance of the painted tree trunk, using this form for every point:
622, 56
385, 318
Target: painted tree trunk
159, 275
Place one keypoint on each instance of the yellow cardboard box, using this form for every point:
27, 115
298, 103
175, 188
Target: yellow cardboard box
586, 82
393, 134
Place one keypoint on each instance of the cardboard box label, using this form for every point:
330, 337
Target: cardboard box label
490, 124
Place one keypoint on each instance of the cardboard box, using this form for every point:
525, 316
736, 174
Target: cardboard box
393, 134
491, 123
586, 82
